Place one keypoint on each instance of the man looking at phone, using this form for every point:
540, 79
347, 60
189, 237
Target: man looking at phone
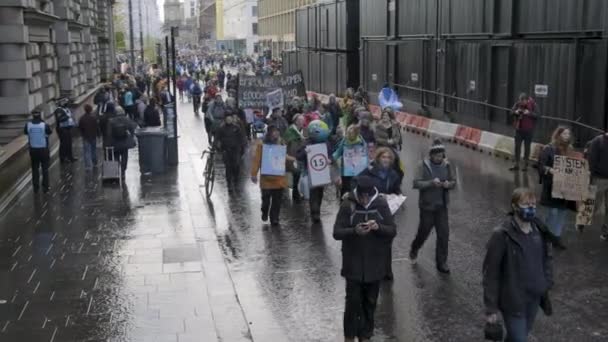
366, 228
434, 178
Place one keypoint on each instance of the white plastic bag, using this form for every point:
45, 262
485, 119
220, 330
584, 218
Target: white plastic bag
304, 186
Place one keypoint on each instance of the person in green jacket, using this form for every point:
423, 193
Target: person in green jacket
294, 138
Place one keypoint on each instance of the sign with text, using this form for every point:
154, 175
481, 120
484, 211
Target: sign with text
318, 165
273, 160
355, 160
274, 99
586, 208
253, 90
570, 178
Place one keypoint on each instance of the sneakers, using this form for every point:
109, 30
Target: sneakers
413, 257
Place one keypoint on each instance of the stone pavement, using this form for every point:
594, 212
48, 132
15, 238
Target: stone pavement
96, 263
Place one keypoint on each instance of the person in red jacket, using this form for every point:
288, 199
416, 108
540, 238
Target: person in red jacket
525, 116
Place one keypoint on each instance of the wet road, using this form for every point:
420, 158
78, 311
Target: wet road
156, 262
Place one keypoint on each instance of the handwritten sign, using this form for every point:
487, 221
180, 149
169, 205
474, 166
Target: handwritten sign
252, 90
586, 208
318, 165
274, 99
273, 160
570, 179
355, 160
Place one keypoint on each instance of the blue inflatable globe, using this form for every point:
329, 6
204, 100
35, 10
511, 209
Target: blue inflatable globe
318, 131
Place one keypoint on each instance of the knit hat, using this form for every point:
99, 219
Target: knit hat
365, 185
437, 147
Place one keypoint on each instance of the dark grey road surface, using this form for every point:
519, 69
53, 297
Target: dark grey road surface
156, 262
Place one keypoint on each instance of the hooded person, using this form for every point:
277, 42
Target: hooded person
434, 179
121, 136
366, 228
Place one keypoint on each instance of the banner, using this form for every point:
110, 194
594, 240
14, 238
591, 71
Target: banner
355, 160
274, 99
586, 208
570, 178
273, 160
252, 90
318, 165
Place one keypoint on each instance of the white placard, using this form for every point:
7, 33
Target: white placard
541, 90
318, 165
414, 77
374, 77
395, 202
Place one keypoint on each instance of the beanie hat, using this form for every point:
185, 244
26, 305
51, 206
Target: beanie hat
365, 185
437, 147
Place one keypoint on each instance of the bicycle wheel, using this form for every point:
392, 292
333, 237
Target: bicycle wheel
209, 174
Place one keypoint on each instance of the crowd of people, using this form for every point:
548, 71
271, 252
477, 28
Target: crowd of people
517, 268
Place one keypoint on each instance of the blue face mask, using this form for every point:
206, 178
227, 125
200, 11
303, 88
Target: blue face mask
527, 214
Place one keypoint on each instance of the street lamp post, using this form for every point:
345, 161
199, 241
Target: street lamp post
131, 43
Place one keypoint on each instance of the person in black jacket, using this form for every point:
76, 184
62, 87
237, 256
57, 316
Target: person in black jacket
366, 228
231, 138
434, 178
152, 114
598, 165
517, 269
381, 171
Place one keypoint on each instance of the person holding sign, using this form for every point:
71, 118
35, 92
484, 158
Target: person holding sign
366, 228
269, 159
434, 178
351, 153
557, 207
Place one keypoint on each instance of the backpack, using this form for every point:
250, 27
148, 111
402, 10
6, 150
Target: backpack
120, 130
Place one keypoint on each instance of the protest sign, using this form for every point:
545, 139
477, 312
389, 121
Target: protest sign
584, 215
394, 202
273, 160
570, 178
253, 90
318, 165
274, 99
355, 160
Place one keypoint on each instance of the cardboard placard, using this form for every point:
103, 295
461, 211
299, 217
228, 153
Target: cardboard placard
274, 99
586, 208
570, 179
355, 159
252, 90
318, 165
273, 160
395, 202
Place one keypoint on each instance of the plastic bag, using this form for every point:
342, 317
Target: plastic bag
304, 186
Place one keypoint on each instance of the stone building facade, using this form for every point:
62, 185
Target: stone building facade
50, 49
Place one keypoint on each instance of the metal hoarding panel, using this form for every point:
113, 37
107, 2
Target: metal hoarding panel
314, 71
302, 28
560, 16
348, 25
313, 27
373, 18
374, 65
467, 17
329, 73
590, 105
328, 25
303, 65
417, 17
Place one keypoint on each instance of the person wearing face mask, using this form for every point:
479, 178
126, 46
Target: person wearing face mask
517, 269
434, 179
366, 228
557, 207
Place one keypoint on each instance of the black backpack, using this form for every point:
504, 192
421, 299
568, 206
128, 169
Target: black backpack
120, 130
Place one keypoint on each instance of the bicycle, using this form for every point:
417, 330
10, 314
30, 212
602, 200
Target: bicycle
209, 171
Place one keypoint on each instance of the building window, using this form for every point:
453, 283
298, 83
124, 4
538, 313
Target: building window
254, 11
254, 28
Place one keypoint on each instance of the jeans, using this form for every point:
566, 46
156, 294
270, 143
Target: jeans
526, 138
519, 326
359, 308
40, 159
555, 220
271, 203
89, 150
437, 218
602, 194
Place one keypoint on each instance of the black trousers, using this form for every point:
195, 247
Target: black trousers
346, 185
295, 192
359, 309
438, 219
526, 139
271, 203
40, 159
315, 201
65, 144
123, 156
232, 160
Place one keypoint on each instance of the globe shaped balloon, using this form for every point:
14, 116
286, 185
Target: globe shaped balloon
318, 131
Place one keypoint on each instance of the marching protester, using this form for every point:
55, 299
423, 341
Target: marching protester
276, 119
557, 208
387, 131
434, 179
89, 127
517, 269
295, 140
152, 115
334, 110
598, 165
232, 142
196, 92
121, 134
525, 115
351, 141
272, 186
366, 228
38, 133
365, 119
65, 125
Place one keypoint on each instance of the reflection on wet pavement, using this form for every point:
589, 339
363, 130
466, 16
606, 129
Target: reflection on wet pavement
156, 262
